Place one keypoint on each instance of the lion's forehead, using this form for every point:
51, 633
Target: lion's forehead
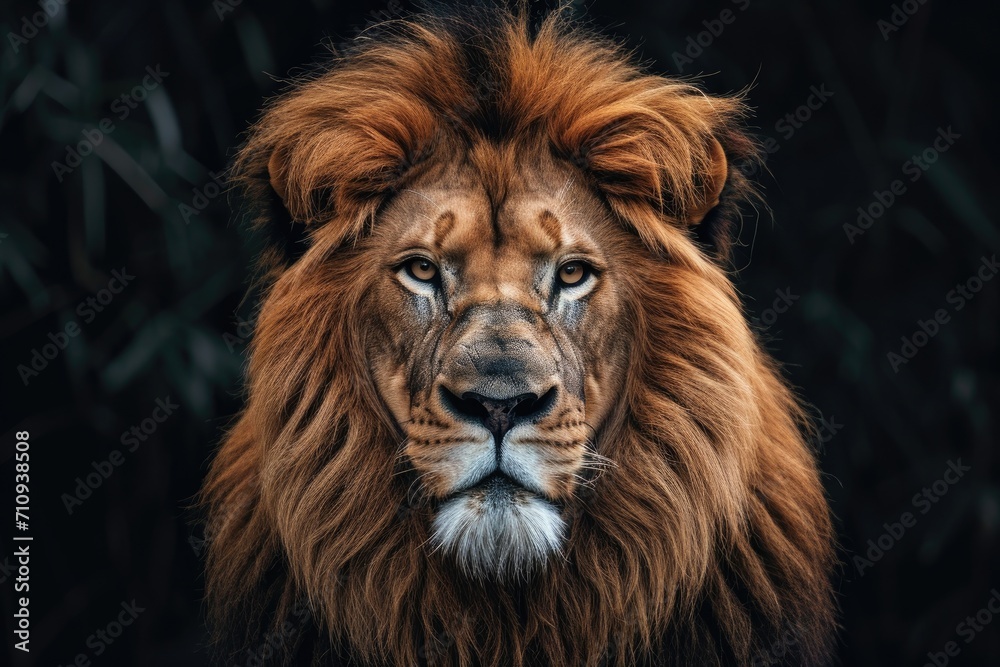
537, 221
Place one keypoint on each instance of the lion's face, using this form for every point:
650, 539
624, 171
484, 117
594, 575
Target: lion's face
499, 346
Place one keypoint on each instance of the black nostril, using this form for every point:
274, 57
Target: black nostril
465, 406
499, 415
531, 405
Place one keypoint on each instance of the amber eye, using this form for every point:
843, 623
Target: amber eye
422, 269
573, 273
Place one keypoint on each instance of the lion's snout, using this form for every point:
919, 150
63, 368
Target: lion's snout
499, 415
502, 370
499, 351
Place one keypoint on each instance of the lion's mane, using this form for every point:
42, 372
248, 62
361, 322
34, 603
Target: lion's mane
708, 542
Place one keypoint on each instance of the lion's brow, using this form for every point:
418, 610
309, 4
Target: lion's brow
442, 227
551, 226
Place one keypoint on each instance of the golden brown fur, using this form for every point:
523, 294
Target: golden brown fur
705, 541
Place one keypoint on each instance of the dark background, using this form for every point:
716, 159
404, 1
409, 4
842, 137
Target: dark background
175, 330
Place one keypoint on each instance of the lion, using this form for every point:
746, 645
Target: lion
505, 407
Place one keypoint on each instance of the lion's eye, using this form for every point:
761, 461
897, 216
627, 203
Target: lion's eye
422, 269
573, 273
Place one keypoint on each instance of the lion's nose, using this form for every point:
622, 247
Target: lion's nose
499, 415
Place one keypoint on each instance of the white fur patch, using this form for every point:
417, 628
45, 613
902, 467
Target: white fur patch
498, 531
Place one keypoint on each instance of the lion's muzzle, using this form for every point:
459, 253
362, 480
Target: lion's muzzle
500, 369
512, 403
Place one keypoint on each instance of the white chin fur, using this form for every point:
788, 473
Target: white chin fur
498, 532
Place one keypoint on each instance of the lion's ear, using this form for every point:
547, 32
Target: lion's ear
663, 151
713, 180
328, 153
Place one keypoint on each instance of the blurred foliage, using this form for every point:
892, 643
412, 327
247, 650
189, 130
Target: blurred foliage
143, 202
